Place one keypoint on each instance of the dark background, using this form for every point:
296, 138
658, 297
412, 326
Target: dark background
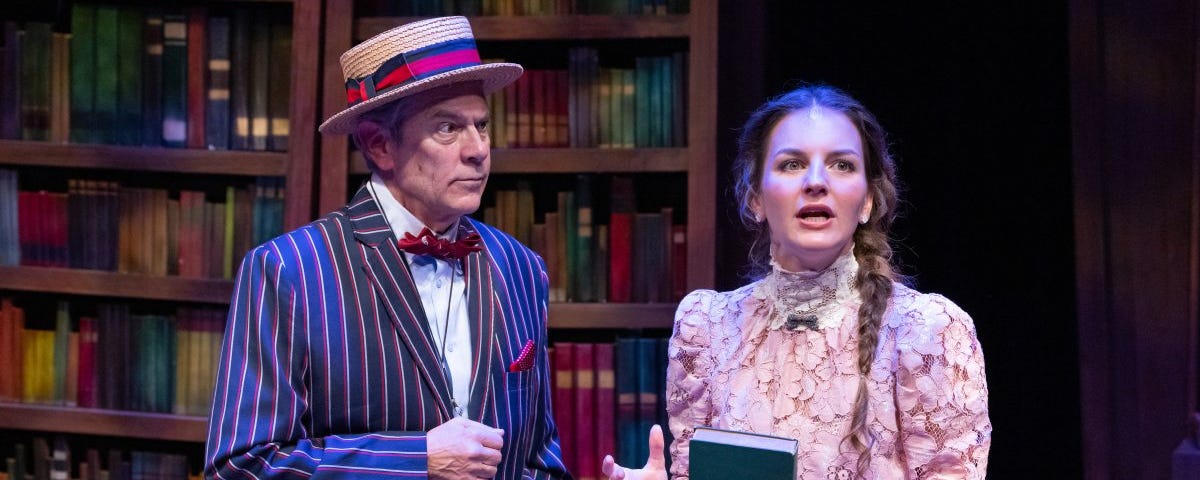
975, 98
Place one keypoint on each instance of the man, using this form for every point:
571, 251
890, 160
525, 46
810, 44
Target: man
350, 353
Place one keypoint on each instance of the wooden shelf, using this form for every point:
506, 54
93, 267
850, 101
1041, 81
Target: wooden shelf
143, 159
112, 284
573, 160
612, 315
117, 423
550, 27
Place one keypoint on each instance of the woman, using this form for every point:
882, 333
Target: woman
874, 379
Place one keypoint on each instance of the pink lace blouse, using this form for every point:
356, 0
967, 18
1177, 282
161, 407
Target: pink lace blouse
735, 364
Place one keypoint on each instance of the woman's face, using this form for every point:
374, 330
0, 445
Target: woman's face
814, 188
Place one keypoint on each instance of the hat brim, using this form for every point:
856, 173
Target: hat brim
493, 75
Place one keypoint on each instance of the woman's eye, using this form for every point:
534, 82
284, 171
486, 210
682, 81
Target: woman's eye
843, 166
790, 165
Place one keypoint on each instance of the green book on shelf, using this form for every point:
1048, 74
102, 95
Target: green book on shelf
721, 454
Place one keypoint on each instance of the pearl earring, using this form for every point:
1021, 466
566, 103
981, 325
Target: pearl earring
758, 218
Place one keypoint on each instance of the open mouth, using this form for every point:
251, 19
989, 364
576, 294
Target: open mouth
815, 213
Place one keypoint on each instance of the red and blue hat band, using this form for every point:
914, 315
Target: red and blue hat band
409, 67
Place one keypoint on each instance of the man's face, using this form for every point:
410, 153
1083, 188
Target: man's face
441, 160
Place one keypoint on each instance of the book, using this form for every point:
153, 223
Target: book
564, 400
83, 72
130, 44
196, 93
720, 454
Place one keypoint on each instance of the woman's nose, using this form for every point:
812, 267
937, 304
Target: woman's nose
815, 181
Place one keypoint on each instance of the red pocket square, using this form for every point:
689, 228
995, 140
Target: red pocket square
524, 361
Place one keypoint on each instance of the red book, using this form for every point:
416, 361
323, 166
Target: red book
87, 363
564, 401
620, 254
586, 455
197, 65
537, 101
606, 401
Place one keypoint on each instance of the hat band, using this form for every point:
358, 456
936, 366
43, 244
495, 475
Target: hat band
409, 67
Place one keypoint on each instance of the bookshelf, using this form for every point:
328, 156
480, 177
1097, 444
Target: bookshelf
165, 168
694, 164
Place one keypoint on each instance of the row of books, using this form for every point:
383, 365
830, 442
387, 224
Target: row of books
114, 359
520, 7
589, 106
606, 397
41, 461
627, 257
101, 225
129, 75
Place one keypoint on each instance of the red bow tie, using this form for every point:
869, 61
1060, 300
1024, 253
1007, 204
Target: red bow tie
426, 243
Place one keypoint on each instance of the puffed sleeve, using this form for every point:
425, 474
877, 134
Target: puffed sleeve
689, 362
942, 394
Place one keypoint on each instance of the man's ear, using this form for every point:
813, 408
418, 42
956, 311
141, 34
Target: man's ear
375, 142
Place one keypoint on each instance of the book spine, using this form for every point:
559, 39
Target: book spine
217, 110
279, 89
175, 73
564, 401
130, 45
197, 63
152, 79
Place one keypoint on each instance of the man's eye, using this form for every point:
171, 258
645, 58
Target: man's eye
445, 127
482, 126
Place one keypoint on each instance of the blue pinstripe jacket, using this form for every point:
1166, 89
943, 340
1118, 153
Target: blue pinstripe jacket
327, 368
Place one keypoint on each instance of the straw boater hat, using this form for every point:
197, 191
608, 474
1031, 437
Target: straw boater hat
413, 58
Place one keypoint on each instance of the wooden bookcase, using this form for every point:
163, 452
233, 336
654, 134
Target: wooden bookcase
696, 162
165, 165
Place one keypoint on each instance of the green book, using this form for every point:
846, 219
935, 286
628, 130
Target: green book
104, 103
721, 454
130, 47
83, 72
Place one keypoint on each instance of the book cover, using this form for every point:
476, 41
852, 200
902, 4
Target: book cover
217, 110
83, 72
152, 78
723, 454
197, 63
175, 80
606, 401
10, 244
584, 240
35, 81
130, 45
587, 458
10, 67
260, 64
553, 226
628, 435
622, 208
564, 401
86, 389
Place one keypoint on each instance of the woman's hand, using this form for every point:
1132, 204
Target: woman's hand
656, 465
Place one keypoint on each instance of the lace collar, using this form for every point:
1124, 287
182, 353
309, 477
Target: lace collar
814, 300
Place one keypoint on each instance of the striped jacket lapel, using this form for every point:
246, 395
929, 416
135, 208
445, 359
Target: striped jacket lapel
482, 317
385, 268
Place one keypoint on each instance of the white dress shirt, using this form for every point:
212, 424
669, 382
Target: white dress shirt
443, 294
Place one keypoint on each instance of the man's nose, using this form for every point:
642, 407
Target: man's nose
474, 145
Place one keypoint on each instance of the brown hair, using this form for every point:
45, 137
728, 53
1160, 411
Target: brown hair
871, 248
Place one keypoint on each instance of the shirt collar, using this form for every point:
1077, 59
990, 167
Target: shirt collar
399, 218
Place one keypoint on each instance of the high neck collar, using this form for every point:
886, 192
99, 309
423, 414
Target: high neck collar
803, 295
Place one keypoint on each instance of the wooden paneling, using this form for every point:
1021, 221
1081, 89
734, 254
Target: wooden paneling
115, 423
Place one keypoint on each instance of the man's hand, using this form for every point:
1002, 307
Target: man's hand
656, 465
463, 449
